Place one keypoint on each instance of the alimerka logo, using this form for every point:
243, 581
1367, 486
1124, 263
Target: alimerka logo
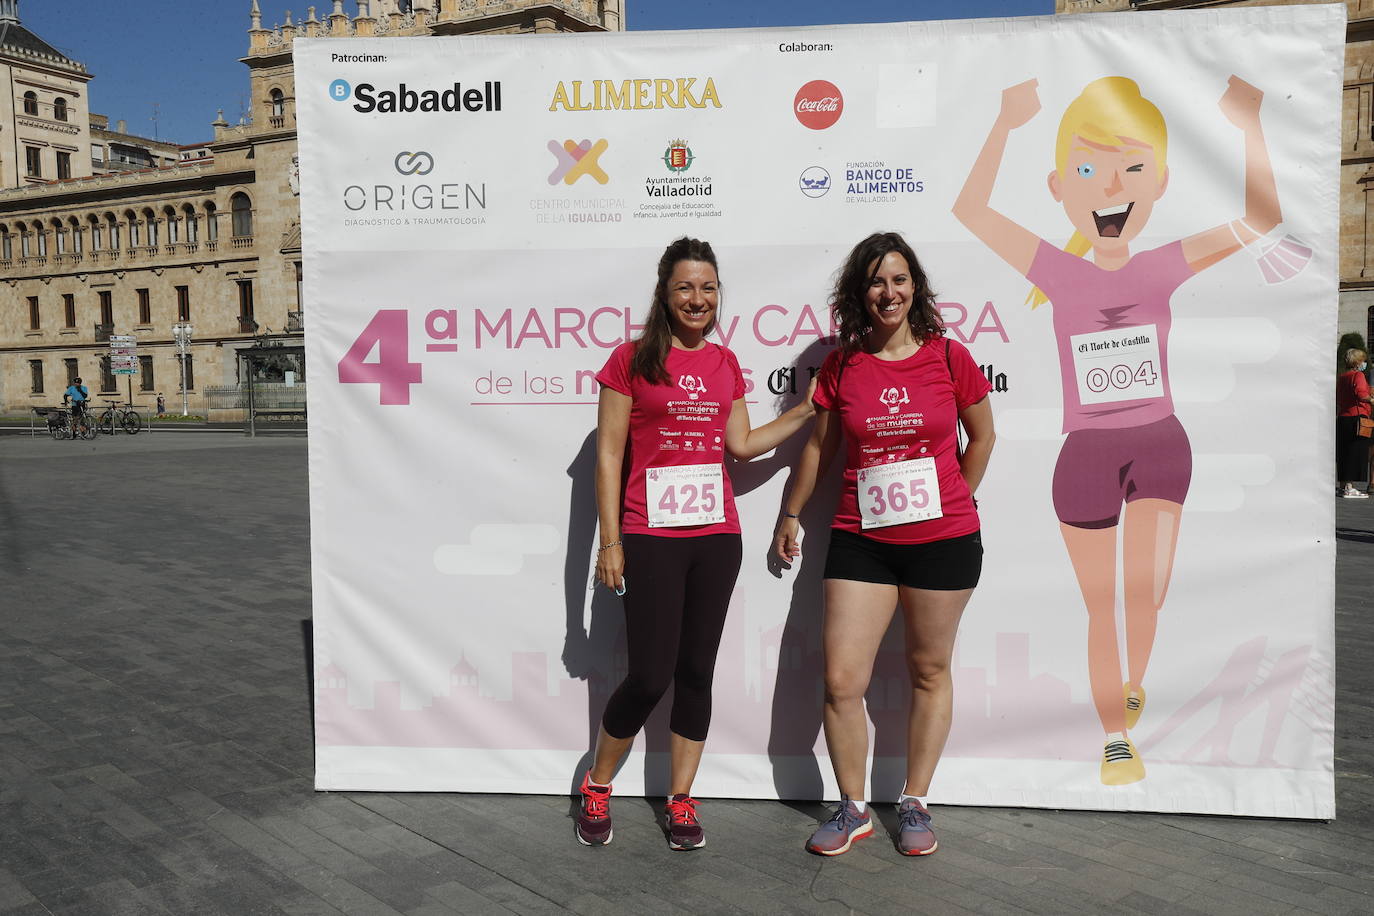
818, 104
405, 100
608, 95
576, 160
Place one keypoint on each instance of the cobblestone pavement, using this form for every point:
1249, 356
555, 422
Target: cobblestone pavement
155, 750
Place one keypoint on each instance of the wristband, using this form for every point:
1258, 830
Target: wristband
609, 546
788, 515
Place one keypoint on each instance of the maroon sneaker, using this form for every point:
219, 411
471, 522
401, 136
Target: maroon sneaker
684, 830
594, 820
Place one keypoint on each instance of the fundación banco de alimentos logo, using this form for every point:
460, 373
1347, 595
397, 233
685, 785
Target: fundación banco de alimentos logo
814, 181
818, 104
578, 160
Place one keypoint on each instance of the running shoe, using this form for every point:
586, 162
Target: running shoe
1135, 704
844, 827
915, 838
684, 830
594, 820
1121, 763
1352, 493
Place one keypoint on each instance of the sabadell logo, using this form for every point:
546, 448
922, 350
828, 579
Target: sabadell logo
818, 104
404, 100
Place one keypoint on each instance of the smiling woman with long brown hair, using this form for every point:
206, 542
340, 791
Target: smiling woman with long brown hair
672, 405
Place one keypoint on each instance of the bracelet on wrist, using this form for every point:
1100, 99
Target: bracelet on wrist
788, 515
609, 546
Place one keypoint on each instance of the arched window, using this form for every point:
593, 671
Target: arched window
74, 226
59, 108
42, 240
25, 243
150, 222
112, 227
278, 104
188, 214
242, 209
134, 231
173, 228
6, 246
60, 235
96, 239
211, 222
31, 103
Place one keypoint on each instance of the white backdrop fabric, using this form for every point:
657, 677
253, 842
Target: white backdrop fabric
472, 257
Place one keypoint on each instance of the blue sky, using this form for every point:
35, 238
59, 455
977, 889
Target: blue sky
182, 56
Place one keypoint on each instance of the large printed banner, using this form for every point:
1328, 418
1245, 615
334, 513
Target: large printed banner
482, 219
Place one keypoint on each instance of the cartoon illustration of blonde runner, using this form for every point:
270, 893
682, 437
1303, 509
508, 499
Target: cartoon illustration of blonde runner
1111, 320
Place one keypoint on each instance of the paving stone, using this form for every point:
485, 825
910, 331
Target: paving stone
155, 753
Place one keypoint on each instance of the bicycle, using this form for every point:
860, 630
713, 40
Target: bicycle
127, 418
67, 427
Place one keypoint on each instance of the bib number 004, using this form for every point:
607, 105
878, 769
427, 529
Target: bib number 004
898, 493
689, 494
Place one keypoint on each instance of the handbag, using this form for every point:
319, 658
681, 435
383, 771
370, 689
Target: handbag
1364, 427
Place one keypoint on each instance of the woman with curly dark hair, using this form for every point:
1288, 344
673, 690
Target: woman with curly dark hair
906, 531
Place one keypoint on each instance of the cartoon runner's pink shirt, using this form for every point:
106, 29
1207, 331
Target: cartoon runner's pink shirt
675, 425
903, 410
1112, 329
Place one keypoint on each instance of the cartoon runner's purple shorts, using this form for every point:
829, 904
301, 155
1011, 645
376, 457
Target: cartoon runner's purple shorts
1099, 469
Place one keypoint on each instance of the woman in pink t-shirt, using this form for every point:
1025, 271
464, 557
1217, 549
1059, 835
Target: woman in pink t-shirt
1112, 319
672, 405
906, 530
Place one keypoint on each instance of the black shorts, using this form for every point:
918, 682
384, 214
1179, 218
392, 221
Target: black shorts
949, 565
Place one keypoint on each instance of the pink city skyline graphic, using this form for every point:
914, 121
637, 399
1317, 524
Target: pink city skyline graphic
999, 712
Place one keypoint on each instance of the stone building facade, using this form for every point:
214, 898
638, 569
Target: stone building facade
210, 238
1357, 143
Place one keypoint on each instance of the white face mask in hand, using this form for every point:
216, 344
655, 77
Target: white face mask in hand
1278, 257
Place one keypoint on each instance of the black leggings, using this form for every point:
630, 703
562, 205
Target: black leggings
677, 591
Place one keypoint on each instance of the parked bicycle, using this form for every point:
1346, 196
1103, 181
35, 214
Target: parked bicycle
121, 415
62, 426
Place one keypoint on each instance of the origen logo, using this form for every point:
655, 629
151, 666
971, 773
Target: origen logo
339, 90
814, 181
417, 163
818, 104
576, 160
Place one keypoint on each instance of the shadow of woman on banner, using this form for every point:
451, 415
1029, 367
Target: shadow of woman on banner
595, 650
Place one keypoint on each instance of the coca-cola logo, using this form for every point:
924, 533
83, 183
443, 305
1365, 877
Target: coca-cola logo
818, 104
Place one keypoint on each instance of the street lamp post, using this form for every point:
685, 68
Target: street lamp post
181, 331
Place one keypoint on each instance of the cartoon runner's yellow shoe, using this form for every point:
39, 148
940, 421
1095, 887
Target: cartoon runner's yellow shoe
1135, 704
1121, 763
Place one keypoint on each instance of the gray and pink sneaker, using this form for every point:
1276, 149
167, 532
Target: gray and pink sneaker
844, 827
915, 838
594, 820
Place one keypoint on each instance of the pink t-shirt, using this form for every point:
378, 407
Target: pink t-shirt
1112, 328
898, 411
681, 423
